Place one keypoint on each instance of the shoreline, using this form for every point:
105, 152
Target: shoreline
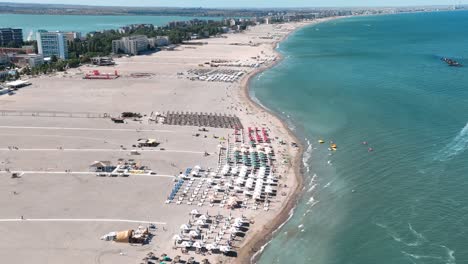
253, 248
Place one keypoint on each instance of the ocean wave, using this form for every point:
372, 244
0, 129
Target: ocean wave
259, 252
457, 146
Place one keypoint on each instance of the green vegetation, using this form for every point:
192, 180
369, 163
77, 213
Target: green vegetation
100, 43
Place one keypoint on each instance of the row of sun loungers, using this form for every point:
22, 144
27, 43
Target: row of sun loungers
223, 75
202, 119
215, 234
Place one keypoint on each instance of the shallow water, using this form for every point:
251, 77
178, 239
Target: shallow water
376, 79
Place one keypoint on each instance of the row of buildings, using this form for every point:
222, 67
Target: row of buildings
134, 45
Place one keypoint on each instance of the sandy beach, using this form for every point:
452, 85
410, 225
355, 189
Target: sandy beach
52, 131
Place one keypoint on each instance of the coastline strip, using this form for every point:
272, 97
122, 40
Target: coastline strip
253, 248
79, 220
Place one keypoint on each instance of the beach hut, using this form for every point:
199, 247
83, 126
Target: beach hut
124, 236
101, 166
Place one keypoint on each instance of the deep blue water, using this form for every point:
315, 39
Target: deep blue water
377, 79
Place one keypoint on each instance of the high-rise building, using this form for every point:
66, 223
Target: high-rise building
11, 36
52, 43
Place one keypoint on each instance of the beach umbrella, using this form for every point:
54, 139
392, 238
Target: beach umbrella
186, 244
194, 212
177, 238
225, 249
198, 244
194, 233
203, 217
211, 246
185, 227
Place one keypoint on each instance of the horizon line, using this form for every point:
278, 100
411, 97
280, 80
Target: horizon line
236, 8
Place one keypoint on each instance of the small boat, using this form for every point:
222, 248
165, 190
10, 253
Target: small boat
451, 62
321, 141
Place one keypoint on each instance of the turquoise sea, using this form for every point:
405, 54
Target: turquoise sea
83, 24
377, 79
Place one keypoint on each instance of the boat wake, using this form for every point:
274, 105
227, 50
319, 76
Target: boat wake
449, 257
418, 239
419, 242
457, 146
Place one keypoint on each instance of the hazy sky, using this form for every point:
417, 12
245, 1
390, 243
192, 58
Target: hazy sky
247, 3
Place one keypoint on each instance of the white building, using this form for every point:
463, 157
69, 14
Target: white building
130, 45
35, 60
160, 41
232, 22
52, 43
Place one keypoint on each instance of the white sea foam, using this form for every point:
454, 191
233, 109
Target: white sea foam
312, 188
312, 202
307, 155
327, 185
457, 146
